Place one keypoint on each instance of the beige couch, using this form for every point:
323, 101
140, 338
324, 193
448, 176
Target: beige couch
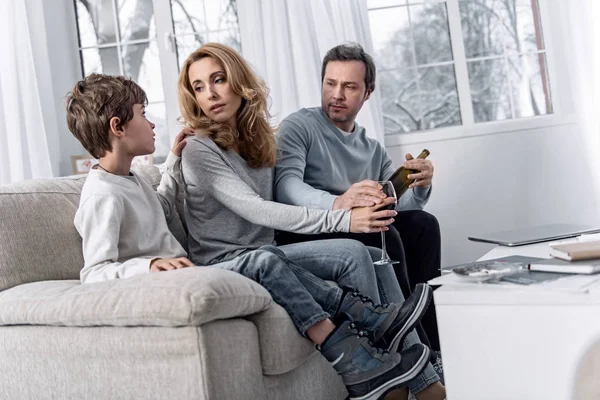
199, 333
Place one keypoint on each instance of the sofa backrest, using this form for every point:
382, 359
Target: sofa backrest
38, 240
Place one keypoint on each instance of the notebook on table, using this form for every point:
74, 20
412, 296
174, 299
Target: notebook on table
536, 234
566, 267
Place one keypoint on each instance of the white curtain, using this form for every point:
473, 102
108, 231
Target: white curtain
286, 40
23, 145
581, 21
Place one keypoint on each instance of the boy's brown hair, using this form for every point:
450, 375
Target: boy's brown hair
94, 101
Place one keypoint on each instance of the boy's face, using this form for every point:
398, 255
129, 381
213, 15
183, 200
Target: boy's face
138, 137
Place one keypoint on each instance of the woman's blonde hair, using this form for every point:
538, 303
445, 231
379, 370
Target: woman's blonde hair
254, 135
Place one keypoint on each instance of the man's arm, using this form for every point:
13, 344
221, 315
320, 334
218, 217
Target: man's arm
290, 188
98, 221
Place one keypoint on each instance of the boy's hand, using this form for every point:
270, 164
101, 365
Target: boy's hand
168, 264
180, 142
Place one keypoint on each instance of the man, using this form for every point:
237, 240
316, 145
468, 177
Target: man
326, 161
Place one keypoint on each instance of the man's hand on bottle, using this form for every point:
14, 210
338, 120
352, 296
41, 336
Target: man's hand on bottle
372, 219
425, 171
362, 194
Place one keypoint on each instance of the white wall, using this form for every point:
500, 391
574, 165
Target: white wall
505, 181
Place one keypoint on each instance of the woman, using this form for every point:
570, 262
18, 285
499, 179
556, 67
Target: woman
228, 174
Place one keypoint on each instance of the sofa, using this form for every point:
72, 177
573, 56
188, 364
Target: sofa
196, 333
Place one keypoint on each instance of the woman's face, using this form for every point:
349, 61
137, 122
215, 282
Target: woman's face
213, 92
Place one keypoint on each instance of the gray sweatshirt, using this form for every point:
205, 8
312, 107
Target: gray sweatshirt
228, 207
317, 162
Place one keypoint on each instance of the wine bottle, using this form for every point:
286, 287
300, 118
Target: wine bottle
400, 177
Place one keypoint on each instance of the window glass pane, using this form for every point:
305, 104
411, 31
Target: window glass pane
141, 63
430, 33
489, 90
135, 19
392, 42
490, 27
186, 44
96, 22
221, 14
230, 38
200, 21
156, 113
528, 79
105, 60
87, 35
400, 99
188, 16
405, 37
439, 97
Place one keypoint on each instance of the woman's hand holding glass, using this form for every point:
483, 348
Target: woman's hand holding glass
372, 219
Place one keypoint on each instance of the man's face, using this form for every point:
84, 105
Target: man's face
343, 92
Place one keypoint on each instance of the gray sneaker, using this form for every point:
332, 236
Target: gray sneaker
368, 372
388, 323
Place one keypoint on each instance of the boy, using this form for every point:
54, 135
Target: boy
124, 230
120, 218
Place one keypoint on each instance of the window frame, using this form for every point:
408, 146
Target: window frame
167, 55
468, 126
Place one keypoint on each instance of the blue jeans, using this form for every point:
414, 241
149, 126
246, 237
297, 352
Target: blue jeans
306, 298
349, 263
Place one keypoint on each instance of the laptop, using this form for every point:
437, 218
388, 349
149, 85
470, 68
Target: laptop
536, 234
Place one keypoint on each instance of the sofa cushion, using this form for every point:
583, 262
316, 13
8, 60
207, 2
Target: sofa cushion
282, 348
38, 240
190, 296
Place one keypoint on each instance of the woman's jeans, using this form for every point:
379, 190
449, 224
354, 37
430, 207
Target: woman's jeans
295, 277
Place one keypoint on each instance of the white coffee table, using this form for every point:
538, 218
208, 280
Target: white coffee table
512, 344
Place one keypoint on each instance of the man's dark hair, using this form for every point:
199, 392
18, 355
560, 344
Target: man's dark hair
352, 52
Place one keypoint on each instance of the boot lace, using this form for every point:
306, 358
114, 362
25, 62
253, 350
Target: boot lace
365, 299
369, 336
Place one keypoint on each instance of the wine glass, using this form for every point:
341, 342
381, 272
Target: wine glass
388, 190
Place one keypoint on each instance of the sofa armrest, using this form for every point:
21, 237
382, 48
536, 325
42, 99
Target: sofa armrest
186, 297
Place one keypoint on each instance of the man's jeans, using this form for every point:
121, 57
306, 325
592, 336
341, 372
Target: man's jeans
349, 263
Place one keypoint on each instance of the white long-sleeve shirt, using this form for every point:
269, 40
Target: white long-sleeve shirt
123, 223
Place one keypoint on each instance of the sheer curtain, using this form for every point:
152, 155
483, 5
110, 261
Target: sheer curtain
286, 40
24, 150
581, 20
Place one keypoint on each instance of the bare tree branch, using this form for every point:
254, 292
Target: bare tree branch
190, 20
403, 128
443, 103
409, 114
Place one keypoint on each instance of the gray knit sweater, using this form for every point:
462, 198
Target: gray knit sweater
228, 207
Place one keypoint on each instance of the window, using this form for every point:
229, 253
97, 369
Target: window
121, 37
458, 62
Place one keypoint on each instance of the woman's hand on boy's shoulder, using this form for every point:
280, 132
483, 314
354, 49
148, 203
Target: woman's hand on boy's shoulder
180, 140
169, 264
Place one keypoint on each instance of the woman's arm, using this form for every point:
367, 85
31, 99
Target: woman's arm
205, 169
